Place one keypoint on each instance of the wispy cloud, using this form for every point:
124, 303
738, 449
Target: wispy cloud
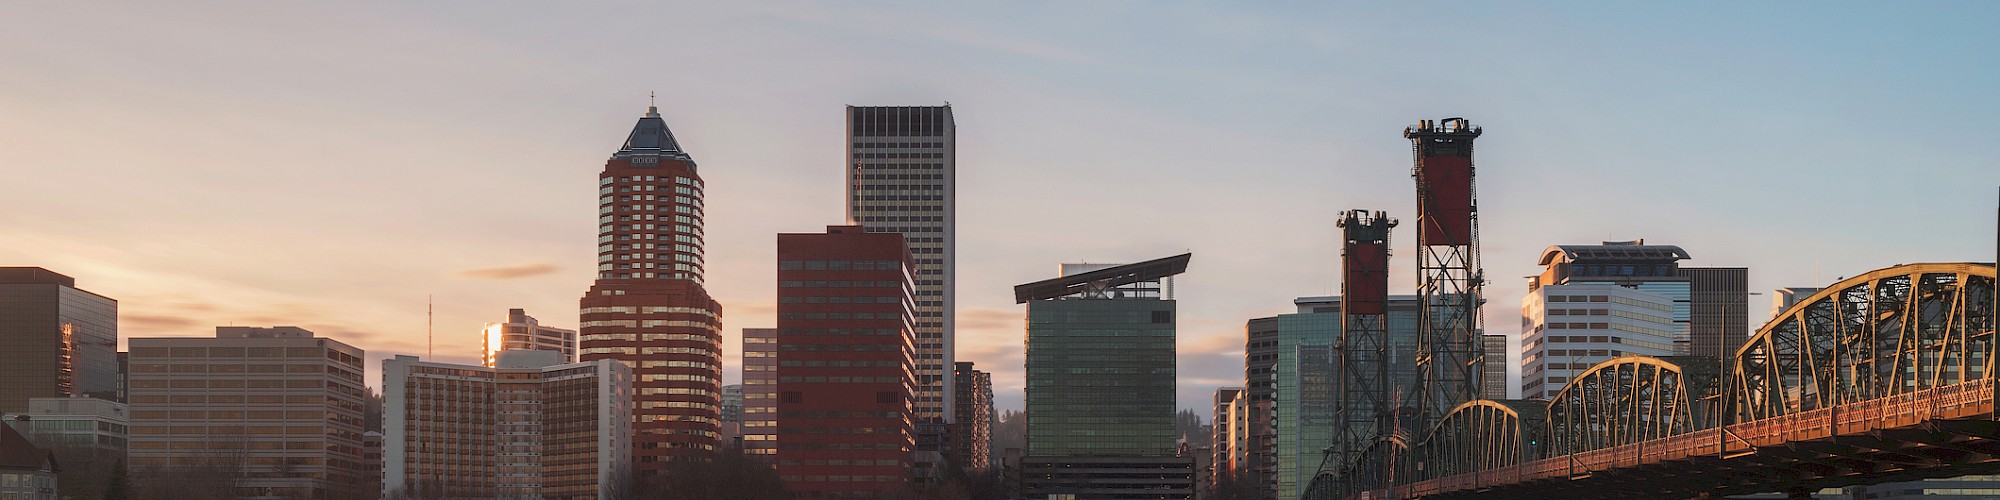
510, 272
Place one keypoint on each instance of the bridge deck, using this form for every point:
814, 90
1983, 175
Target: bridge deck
1937, 432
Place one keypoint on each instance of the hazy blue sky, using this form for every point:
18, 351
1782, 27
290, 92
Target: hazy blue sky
329, 164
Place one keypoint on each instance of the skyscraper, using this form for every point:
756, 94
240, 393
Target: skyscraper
60, 341
902, 176
1494, 384
648, 308
1100, 389
522, 331
846, 380
972, 434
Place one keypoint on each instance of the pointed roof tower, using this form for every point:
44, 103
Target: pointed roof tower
651, 137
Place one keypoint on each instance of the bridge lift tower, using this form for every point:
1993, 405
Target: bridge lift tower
1364, 389
1449, 280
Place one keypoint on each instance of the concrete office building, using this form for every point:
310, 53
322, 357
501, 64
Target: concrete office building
760, 394
1664, 309
1493, 384
648, 307
902, 177
1100, 386
972, 434
529, 427
85, 433
521, 331
278, 409
847, 386
61, 341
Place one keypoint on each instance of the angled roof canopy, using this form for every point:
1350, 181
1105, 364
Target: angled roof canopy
1101, 279
651, 137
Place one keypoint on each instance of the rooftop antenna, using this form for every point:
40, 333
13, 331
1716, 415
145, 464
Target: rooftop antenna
430, 335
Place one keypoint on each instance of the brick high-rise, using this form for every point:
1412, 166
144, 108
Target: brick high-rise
846, 363
647, 307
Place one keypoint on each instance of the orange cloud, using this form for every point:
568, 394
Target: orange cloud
509, 272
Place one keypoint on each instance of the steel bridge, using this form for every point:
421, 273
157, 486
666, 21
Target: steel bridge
1882, 377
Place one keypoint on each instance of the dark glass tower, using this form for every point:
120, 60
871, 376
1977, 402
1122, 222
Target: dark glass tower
59, 341
648, 308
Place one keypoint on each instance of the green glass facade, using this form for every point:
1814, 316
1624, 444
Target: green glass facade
1303, 406
1101, 377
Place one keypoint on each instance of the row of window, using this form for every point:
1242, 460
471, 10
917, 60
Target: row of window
898, 197
899, 177
840, 380
839, 300
859, 145
840, 347
840, 265
898, 155
651, 323
647, 310
839, 284
606, 181
902, 218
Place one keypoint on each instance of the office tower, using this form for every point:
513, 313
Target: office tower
270, 412
1494, 384
29, 471
522, 331
846, 379
1229, 437
531, 426
1718, 310
1284, 355
902, 178
1260, 358
1100, 387
371, 464
1651, 276
972, 434
1566, 329
760, 394
60, 341
648, 308
87, 435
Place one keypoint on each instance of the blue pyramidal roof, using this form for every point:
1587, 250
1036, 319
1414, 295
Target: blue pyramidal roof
651, 137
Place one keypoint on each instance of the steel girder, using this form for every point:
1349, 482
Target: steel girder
1631, 399
1483, 435
1887, 332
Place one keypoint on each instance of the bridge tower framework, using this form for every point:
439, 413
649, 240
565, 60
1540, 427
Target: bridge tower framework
1364, 389
1449, 352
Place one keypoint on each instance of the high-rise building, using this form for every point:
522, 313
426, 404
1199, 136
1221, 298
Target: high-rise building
522, 331
1718, 310
1100, 388
648, 308
61, 341
1494, 383
1640, 301
846, 370
277, 410
1229, 436
1568, 328
972, 434
760, 394
732, 414
86, 434
902, 178
532, 426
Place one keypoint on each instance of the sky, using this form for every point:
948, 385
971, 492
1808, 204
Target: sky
336, 165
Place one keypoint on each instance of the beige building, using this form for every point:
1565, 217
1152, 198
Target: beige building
252, 413
522, 331
529, 427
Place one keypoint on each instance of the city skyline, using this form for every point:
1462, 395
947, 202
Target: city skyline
254, 187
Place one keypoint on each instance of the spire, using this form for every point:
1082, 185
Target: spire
652, 105
651, 137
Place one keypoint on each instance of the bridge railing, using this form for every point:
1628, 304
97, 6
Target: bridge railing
1962, 400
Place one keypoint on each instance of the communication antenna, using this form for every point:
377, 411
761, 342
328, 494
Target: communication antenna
430, 336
